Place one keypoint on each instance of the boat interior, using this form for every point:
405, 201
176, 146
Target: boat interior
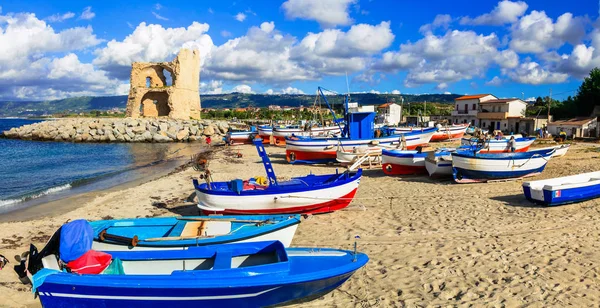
592, 178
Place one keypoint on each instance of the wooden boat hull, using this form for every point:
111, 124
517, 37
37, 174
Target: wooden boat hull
472, 168
449, 133
233, 275
349, 157
501, 146
235, 138
280, 134
563, 190
397, 162
265, 132
315, 151
306, 200
162, 233
439, 164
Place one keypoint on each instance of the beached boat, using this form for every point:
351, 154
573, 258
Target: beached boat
561, 150
234, 137
403, 162
470, 166
183, 232
305, 194
563, 190
439, 163
522, 144
257, 274
314, 150
350, 156
281, 133
265, 132
449, 133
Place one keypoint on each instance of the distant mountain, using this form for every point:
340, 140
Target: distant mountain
231, 100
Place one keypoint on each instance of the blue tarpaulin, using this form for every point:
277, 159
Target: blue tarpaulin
76, 238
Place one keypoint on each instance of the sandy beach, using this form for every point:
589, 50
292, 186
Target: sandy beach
431, 242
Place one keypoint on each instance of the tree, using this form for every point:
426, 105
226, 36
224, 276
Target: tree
539, 101
588, 94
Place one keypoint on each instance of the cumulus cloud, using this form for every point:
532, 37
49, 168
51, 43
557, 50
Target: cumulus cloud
441, 21
395, 92
87, 14
240, 17
242, 88
536, 32
505, 12
60, 17
151, 43
267, 27
582, 58
226, 33
496, 81
533, 73
328, 13
454, 56
288, 90
211, 87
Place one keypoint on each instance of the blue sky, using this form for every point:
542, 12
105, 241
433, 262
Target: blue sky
61, 49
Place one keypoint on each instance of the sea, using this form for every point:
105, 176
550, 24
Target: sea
35, 172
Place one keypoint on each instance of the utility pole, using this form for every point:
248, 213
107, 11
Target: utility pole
549, 101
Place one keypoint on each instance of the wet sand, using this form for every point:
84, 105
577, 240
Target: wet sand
434, 243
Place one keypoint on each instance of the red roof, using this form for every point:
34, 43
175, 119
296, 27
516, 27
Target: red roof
465, 97
504, 100
385, 105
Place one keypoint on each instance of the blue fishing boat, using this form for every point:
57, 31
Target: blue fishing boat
254, 274
471, 166
308, 194
564, 190
177, 232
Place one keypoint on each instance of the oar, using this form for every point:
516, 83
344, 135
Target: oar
131, 241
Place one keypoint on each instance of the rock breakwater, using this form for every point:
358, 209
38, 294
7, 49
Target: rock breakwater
120, 130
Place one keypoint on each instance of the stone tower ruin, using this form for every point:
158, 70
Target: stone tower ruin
166, 89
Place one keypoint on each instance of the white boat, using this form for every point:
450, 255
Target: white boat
561, 150
499, 146
280, 133
471, 167
439, 163
350, 156
265, 132
563, 190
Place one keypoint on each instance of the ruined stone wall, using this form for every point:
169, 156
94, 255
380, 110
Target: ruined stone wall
180, 100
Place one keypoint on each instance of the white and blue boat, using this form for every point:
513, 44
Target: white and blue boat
564, 190
183, 232
472, 167
254, 274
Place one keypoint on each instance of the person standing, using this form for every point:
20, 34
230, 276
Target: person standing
512, 143
208, 140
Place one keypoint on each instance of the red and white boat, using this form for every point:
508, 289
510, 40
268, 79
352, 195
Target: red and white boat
280, 133
324, 150
450, 132
265, 132
403, 162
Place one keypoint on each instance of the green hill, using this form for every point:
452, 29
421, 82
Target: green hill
231, 100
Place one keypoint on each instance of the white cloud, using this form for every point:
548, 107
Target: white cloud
447, 93
582, 58
210, 10
242, 88
441, 21
496, 81
158, 6
159, 16
442, 86
269, 92
531, 72
212, 87
267, 27
226, 33
290, 90
536, 32
87, 14
505, 12
60, 17
395, 92
152, 43
240, 17
328, 13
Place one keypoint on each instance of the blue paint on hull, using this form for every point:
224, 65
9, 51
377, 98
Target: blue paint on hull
565, 196
461, 174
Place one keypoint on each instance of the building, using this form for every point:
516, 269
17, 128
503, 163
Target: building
467, 108
168, 89
389, 113
501, 114
274, 107
575, 128
529, 125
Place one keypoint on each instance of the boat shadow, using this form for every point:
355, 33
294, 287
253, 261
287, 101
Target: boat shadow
187, 209
516, 200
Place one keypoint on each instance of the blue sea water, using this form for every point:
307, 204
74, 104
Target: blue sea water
36, 169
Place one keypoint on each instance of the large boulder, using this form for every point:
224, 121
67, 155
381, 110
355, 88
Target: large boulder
160, 138
147, 136
183, 134
209, 130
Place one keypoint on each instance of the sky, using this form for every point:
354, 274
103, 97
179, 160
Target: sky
524, 49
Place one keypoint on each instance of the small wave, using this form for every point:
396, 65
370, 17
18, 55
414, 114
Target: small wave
35, 195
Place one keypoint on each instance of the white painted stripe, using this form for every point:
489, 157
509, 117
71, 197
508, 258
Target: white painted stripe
158, 298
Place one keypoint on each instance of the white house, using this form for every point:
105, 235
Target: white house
501, 114
467, 108
389, 113
578, 127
